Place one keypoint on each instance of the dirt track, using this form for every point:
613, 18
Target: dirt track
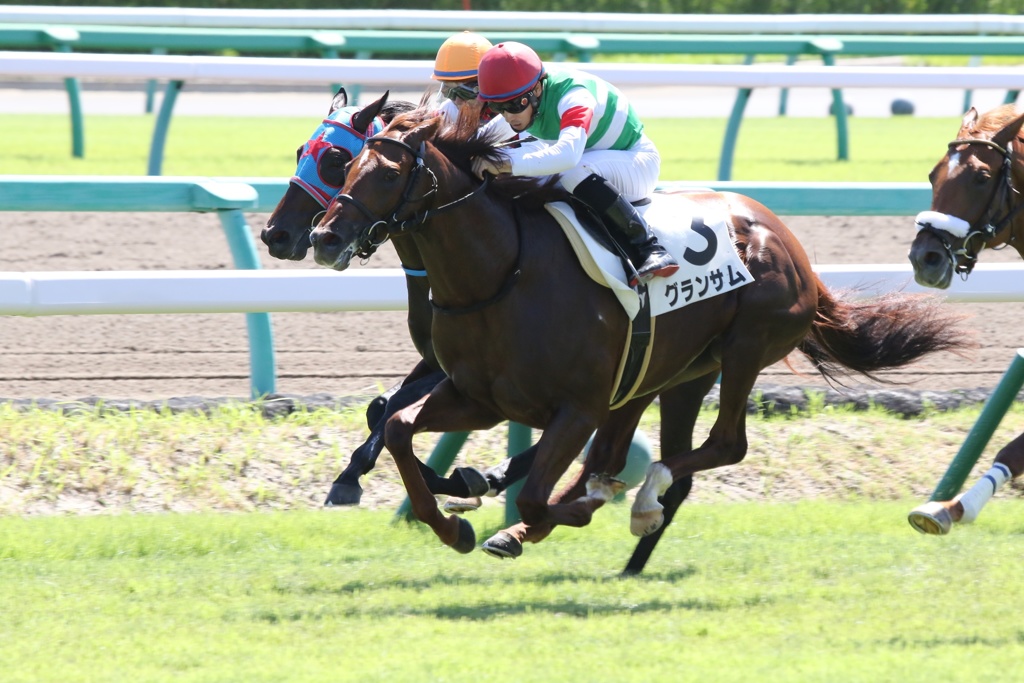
162, 356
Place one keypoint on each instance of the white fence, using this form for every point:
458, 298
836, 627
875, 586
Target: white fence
415, 73
255, 291
977, 24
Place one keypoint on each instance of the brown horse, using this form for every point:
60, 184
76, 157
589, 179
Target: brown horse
524, 334
320, 164
976, 204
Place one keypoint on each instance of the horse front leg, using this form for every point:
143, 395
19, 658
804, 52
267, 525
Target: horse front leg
561, 441
444, 410
938, 517
346, 489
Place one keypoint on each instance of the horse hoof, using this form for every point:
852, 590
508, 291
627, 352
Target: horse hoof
343, 494
467, 538
932, 518
604, 487
460, 505
646, 523
475, 480
503, 545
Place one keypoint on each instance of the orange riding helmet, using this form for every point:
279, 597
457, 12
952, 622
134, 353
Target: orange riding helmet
458, 57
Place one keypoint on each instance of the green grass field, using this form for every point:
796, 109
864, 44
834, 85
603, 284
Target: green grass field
899, 149
818, 579
781, 592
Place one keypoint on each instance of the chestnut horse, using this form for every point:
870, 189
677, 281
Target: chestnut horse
524, 334
287, 237
319, 174
976, 204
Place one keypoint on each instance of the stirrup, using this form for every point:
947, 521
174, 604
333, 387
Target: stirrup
656, 265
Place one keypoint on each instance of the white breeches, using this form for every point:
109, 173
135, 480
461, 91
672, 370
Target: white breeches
634, 171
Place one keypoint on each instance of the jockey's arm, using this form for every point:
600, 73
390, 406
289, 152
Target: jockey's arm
576, 112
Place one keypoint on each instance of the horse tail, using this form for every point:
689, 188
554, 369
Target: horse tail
889, 331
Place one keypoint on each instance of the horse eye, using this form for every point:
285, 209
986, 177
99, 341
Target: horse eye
982, 177
391, 174
332, 165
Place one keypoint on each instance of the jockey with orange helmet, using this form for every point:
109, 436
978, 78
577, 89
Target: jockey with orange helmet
598, 147
455, 67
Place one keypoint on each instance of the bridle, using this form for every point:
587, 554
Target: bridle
985, 227
382, 229
393, 226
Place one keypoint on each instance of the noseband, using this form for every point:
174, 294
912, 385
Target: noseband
984, 228
381, 229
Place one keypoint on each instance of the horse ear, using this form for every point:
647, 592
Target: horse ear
970, 118
1009, 133
363, 118
340, 100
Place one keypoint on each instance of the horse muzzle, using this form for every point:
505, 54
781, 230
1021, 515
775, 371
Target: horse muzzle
282, 244
932, 262
329, 250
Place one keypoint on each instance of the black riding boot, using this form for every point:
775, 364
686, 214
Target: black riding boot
618, 214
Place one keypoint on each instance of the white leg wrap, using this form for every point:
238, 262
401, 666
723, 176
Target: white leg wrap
979, 494
658, 479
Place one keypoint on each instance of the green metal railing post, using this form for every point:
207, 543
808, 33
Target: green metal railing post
262, 368
839, 109
784, 92
163, 122
732, 131
75, 104
996, 406
151, 84
520, 437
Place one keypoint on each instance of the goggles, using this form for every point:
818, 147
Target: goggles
514, 106
460, 91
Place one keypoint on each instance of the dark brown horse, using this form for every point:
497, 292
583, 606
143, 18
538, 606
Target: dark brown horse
318, 179
976, 204
524, 334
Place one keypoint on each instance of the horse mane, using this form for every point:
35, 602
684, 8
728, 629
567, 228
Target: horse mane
392, 109
463, 141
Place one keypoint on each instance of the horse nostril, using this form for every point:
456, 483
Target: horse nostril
932, 259
322, 239
271, 237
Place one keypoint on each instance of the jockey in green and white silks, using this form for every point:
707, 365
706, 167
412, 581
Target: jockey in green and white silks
596, 143
585, 118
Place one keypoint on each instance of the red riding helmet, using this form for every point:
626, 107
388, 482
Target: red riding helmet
508, 70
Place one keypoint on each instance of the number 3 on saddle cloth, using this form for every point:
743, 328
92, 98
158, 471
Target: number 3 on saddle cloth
708, 266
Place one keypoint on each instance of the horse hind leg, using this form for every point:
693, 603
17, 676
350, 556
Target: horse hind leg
680, 408
726, 444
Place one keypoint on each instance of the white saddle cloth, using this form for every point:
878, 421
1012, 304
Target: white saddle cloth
705, 269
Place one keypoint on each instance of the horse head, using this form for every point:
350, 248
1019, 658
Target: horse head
320, 172
387, 184
975, 197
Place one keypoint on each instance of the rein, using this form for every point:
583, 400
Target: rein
985, 227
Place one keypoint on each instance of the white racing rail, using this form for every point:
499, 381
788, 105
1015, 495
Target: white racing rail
384, 289
407, 19
415, 73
